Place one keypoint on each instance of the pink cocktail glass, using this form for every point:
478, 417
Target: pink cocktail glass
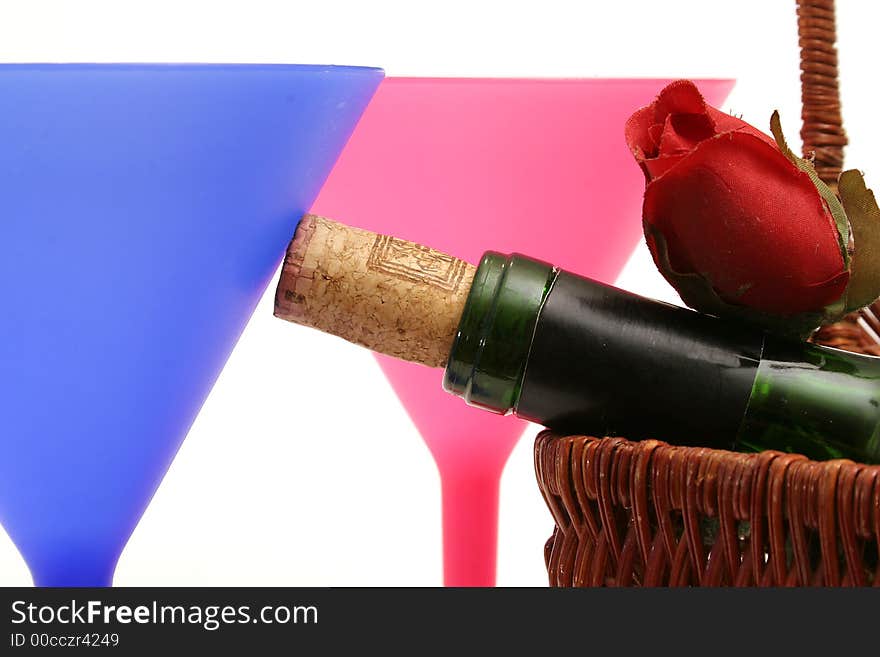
536, 166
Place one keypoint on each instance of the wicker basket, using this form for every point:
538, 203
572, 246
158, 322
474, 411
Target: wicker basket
651, 514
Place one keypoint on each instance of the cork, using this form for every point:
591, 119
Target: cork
391, 296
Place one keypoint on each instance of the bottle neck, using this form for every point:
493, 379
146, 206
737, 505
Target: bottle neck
491, 347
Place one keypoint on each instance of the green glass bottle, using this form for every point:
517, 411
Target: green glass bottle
581, 357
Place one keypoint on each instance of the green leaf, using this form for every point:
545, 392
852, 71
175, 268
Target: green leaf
830, 198
864, 217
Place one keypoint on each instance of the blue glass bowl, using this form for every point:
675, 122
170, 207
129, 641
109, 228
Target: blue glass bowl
143, 210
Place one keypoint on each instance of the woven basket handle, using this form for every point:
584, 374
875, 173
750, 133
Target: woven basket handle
822, 128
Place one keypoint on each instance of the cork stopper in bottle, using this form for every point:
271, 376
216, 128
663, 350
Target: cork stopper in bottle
389, 295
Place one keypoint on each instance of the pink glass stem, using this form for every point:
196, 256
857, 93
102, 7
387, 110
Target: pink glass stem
470, 528
470, 447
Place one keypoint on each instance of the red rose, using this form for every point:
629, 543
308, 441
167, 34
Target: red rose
738, 224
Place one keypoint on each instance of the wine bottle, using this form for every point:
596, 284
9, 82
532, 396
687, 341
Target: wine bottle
518, 335
579, 356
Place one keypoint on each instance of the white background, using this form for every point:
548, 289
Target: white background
333, 486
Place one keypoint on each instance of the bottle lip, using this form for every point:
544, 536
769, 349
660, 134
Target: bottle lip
494, 335
472, 326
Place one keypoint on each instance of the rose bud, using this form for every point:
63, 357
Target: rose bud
742, 227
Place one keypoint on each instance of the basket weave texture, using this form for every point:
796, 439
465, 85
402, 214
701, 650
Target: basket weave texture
651, 514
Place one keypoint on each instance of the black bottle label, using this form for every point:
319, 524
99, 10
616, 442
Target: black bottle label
607, 362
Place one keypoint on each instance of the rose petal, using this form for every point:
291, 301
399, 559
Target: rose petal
637, 133
722, 215
682, 132
655, 134
679, 97
657, 166
675, 123
727, 123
